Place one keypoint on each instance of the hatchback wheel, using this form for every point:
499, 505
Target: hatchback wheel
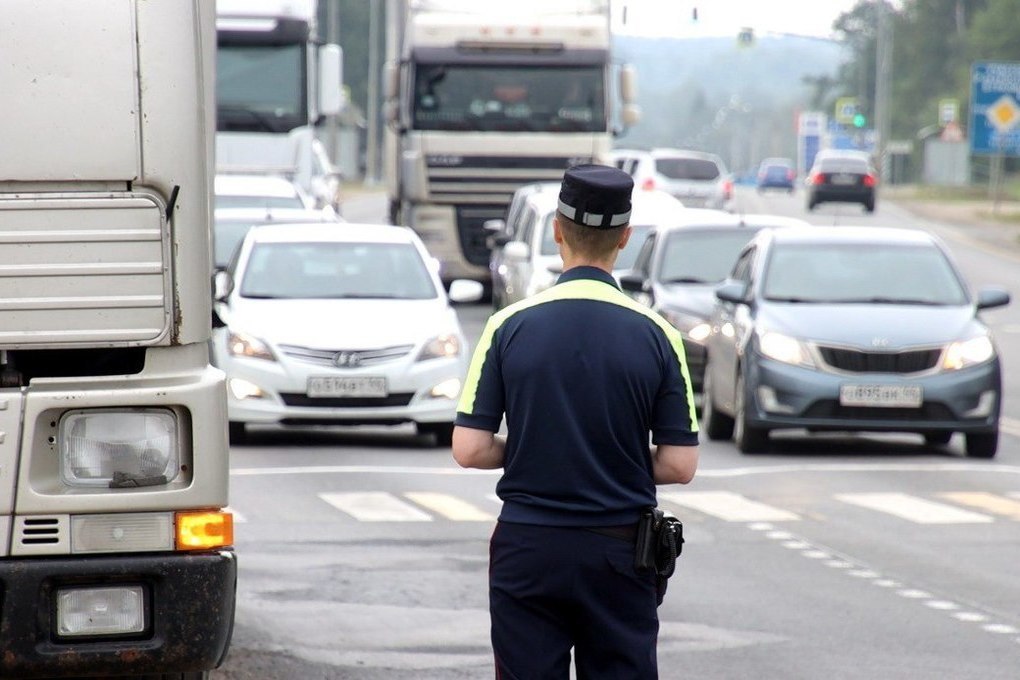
443, 432
747, 438
869, 206
718, 426
237, 432
982, 444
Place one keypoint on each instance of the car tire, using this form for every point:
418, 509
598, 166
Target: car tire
811, 205
748, 439
442, 432
982, 444
937, 438
237, 432
718, 426
869, 206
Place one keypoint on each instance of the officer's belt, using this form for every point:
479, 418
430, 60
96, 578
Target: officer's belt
624, 532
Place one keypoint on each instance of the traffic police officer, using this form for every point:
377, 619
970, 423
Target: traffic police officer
582, 374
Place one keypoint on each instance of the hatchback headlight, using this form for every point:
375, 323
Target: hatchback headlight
785, 349
691, 326
965, 353
444, 346
243, 345
118, 448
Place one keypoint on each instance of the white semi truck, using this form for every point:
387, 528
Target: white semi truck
116, 554
484, 97
275, 81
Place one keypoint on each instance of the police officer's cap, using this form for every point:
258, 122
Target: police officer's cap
596, 196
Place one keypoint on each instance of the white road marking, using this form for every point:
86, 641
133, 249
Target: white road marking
728, 506
989, 502
1001, 628
370, 506
449, 506
913, 509
970, 617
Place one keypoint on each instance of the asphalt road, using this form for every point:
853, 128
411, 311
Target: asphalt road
363, 552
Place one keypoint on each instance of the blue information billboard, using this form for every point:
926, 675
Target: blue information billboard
995, 108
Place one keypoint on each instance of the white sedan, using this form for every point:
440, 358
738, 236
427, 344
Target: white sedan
328, 326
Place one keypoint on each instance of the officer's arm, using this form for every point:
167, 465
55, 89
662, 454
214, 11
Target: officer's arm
474, 448
671, 464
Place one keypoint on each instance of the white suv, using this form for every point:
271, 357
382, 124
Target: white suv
697, 178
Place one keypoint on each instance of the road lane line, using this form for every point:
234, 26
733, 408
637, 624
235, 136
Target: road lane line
728, 506
989, 502
449, 506
914, 509
375, 506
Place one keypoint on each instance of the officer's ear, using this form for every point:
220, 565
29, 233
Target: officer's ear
557, 231
624, 237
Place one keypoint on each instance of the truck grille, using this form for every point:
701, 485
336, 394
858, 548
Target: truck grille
489, 179
84, 269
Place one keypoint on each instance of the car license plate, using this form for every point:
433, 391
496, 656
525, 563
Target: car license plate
887, 396
844, 180
332, 386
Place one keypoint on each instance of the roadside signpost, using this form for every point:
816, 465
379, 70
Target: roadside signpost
995, 108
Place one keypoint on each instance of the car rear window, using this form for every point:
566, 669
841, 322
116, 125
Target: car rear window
855, 165
687, 168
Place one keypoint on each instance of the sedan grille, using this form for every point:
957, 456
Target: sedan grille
346, 358
856, 361
395, 399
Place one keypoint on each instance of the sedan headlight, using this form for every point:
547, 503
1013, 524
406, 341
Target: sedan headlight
243, 345
118, 448
540, 280
964, 353
440, 348
691, 326
785, 349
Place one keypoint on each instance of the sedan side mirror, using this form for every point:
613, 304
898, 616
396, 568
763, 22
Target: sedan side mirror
988, 298
735, 292
463, 290
223, 285
633, 282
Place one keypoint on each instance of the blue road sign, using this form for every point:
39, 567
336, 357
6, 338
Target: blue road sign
995, 108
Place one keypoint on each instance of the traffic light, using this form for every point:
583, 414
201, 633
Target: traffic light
745, 38
860, 120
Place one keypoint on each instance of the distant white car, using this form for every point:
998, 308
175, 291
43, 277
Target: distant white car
351, 326
526, 260
697, 178
231, 224
258, 191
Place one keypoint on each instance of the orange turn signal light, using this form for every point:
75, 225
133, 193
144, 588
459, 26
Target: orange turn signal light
204, 529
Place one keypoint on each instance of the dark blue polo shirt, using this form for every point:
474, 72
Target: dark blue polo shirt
582, 373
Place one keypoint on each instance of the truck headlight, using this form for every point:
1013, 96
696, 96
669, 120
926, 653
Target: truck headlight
118, 448
113, 610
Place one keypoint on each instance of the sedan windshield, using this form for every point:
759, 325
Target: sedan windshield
337, 270
701, 256
862, 273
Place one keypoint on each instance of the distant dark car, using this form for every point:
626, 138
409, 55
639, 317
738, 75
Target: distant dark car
851, 329
842, 177
679, 265
776, 173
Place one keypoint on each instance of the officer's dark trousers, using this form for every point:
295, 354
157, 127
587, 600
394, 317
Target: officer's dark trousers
553, 588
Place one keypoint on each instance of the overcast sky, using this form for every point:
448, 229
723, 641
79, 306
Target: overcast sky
727, 17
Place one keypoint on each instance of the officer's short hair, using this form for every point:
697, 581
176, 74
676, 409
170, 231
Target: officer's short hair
588, 242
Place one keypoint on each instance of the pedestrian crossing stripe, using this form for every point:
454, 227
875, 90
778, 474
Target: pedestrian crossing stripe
989, 502
961, 507
914, 509
450, 507
375, 506
728, 506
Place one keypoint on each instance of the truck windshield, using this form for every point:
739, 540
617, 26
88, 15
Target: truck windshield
260, 88
509, 98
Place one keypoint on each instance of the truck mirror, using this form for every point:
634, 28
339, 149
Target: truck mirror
331, 75
628, 84
630, 114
